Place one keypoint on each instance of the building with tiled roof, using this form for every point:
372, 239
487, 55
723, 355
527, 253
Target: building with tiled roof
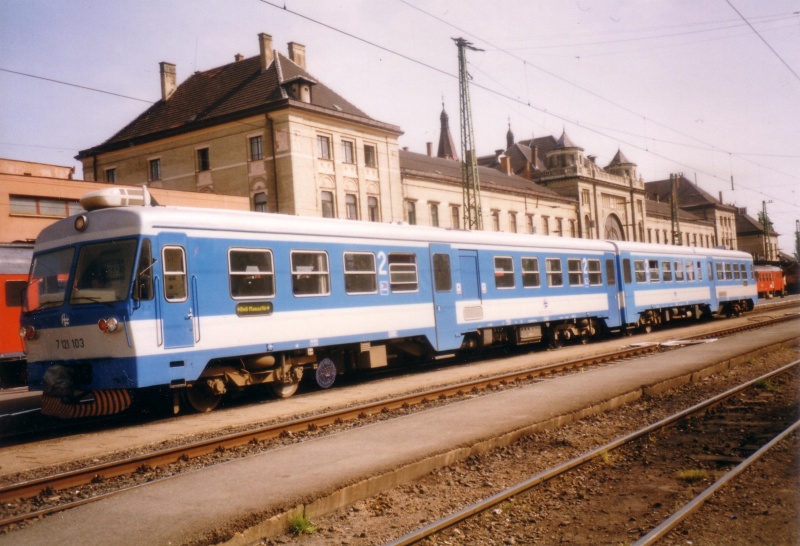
702, 205
753, 237
262, 127
610, 201
433, 195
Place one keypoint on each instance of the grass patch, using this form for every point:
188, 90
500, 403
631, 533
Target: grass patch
765, 385
691, 476
300, 524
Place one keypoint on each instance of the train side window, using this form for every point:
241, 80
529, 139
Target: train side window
626, 271
143, 287
14, 293
666, 267
574, 272
251, 273
554, 275
174, 273
679, 271
503, 272
728, 272
699, 270
403, 272
310, 273
530, 273
720, 272
736, 272
641, 273
360, 275
689, 271
595, 277
442, 278
611, 274
653, 266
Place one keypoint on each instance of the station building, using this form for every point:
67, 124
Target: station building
265, 129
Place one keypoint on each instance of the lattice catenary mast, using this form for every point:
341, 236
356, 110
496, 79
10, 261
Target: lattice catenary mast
469, 159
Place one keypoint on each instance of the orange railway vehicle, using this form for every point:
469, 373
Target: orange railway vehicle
15, 262
769, 281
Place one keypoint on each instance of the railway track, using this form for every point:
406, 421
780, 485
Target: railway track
722, 417
46, 488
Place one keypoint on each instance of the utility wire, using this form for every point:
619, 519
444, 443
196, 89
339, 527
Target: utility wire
74, 85
763, 40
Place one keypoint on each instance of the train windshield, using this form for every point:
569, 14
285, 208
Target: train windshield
47, 285
103, 273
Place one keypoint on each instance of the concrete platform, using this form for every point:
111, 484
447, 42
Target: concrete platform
332, 471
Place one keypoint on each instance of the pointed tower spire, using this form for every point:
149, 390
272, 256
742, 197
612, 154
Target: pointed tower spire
509, 136
447, 148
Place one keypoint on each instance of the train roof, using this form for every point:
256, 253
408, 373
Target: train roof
130, 220
674, 250
15, 259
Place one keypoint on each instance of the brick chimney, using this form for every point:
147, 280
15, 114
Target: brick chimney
238, 57
430, 148
505, 165
267, 55
168, 80
297, 53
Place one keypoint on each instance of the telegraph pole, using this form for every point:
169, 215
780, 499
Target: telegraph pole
469, 159
765, 223
676, 225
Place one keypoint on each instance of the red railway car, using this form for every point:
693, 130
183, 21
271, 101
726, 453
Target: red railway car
15, 262
769, 281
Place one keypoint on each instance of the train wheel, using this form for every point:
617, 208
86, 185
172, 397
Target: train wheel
647, 328
284, 390
201, 399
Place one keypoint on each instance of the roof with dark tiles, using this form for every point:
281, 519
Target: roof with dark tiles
689, 194
234, 90
489, 178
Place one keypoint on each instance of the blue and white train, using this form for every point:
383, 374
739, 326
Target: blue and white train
125, 299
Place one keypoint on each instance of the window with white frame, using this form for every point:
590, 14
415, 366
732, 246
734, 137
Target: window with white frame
348, 152
323, 147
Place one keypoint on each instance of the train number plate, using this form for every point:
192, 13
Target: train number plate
72, 343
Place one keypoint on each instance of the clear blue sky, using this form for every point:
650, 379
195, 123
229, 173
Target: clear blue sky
707, 88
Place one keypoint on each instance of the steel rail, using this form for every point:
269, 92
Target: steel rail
112, 469
670, 523
521, 487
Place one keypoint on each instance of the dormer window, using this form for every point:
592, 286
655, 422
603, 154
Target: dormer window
299, 88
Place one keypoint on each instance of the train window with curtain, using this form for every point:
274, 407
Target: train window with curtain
503, 272
689, 271
530, 273
442, 278
251, 273
666, 269
360, 275
175, 285
679, 271
641, 273
554, 275
575, 273
403, 272
310, 274
654, 273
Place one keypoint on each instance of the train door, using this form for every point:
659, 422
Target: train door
444, 298
613, 291
470, 280
176, 301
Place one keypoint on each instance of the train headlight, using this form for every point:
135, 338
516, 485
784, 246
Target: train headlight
80, 222
27, 333
108, 325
